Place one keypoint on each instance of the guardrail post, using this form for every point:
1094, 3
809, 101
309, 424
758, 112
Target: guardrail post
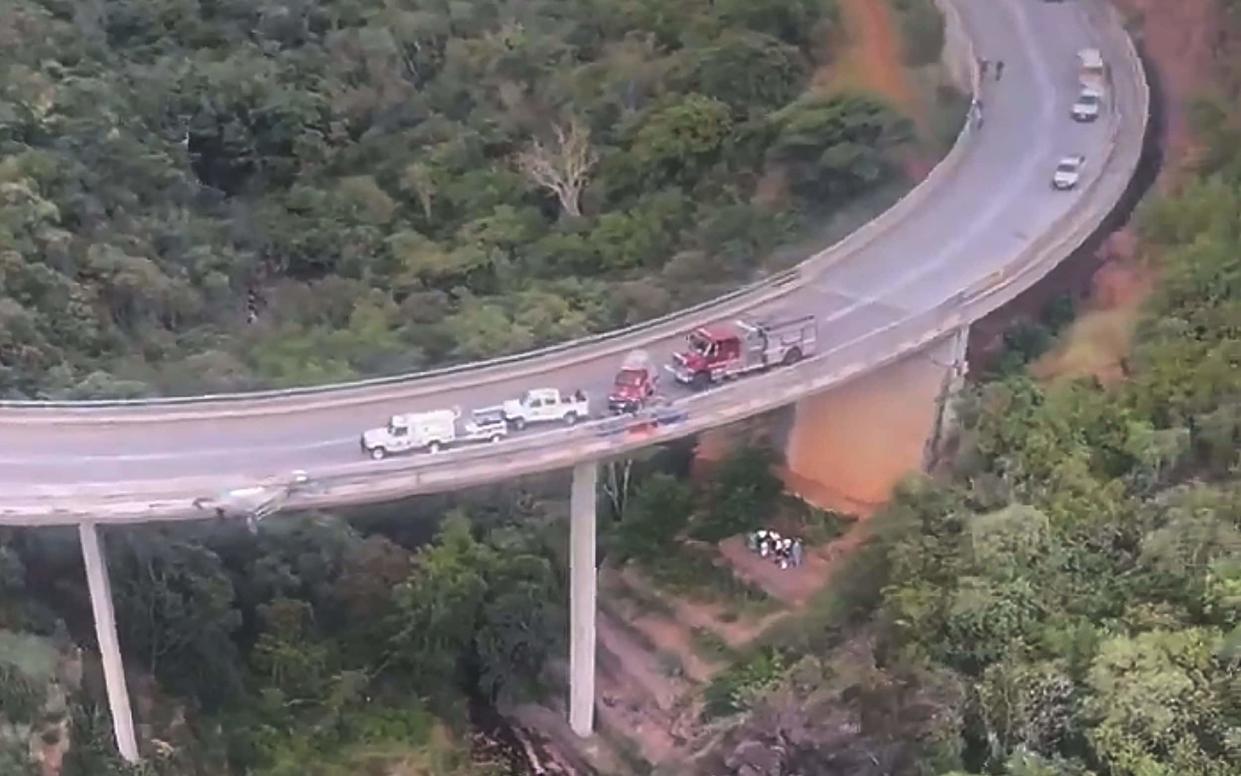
109, 646
582, 517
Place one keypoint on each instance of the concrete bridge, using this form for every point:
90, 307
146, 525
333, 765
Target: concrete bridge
984, 226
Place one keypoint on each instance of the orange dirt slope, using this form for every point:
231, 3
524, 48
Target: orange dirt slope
873, 59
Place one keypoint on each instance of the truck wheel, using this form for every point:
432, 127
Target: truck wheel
570, 419
792, 356
433, 447
700, 381
378, 453
519, 423
495, 438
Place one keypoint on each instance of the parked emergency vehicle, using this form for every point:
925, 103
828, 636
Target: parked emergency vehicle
636, 382
430, 431
724, 351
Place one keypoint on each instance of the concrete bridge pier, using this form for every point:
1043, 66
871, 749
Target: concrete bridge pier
109, 646
582, 579
850, 445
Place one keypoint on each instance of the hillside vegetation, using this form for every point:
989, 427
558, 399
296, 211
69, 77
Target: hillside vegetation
1066, 600
215, 194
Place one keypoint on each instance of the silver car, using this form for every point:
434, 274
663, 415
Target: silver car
1068, 172
1089, 104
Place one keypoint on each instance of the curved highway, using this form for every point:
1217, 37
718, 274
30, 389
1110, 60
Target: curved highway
983, 228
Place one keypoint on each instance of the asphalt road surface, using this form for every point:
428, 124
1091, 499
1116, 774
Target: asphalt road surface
994, 204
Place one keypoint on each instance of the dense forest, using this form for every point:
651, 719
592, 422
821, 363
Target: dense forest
214, 195
312, 647
1063, 598
318, 645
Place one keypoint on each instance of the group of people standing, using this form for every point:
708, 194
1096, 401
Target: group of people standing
984, 65
784, 551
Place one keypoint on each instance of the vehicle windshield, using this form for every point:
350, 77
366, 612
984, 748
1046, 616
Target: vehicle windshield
1088, 99
699, 344
1067, 165
487, 418
629, 378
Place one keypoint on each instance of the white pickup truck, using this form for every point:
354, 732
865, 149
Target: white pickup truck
545, 405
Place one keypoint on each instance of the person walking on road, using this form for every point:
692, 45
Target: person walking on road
999, 69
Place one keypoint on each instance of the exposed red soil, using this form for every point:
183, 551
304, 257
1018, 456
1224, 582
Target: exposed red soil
873, 57
1100, 338
1182, 40
841, 457
702, 614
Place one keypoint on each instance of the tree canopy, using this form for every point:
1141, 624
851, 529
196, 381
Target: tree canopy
215, 196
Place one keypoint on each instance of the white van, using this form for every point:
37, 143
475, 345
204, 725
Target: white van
1091, 70
430, 431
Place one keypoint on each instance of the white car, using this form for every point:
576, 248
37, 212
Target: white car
1068, 172
1089, 104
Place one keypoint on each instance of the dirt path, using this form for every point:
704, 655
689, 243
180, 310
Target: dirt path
736, 633
667, 636
625, 654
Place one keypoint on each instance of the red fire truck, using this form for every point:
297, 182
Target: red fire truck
636, 382
724, 351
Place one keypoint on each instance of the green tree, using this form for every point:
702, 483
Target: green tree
176, 614
483, 616
518, 624
677, 142
793, 21
288, 654
1158, 704
437, 606
833, 147
749, 71
654, 516
742, 494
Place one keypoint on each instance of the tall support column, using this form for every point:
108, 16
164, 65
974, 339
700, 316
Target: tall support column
582, 508
109, 646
